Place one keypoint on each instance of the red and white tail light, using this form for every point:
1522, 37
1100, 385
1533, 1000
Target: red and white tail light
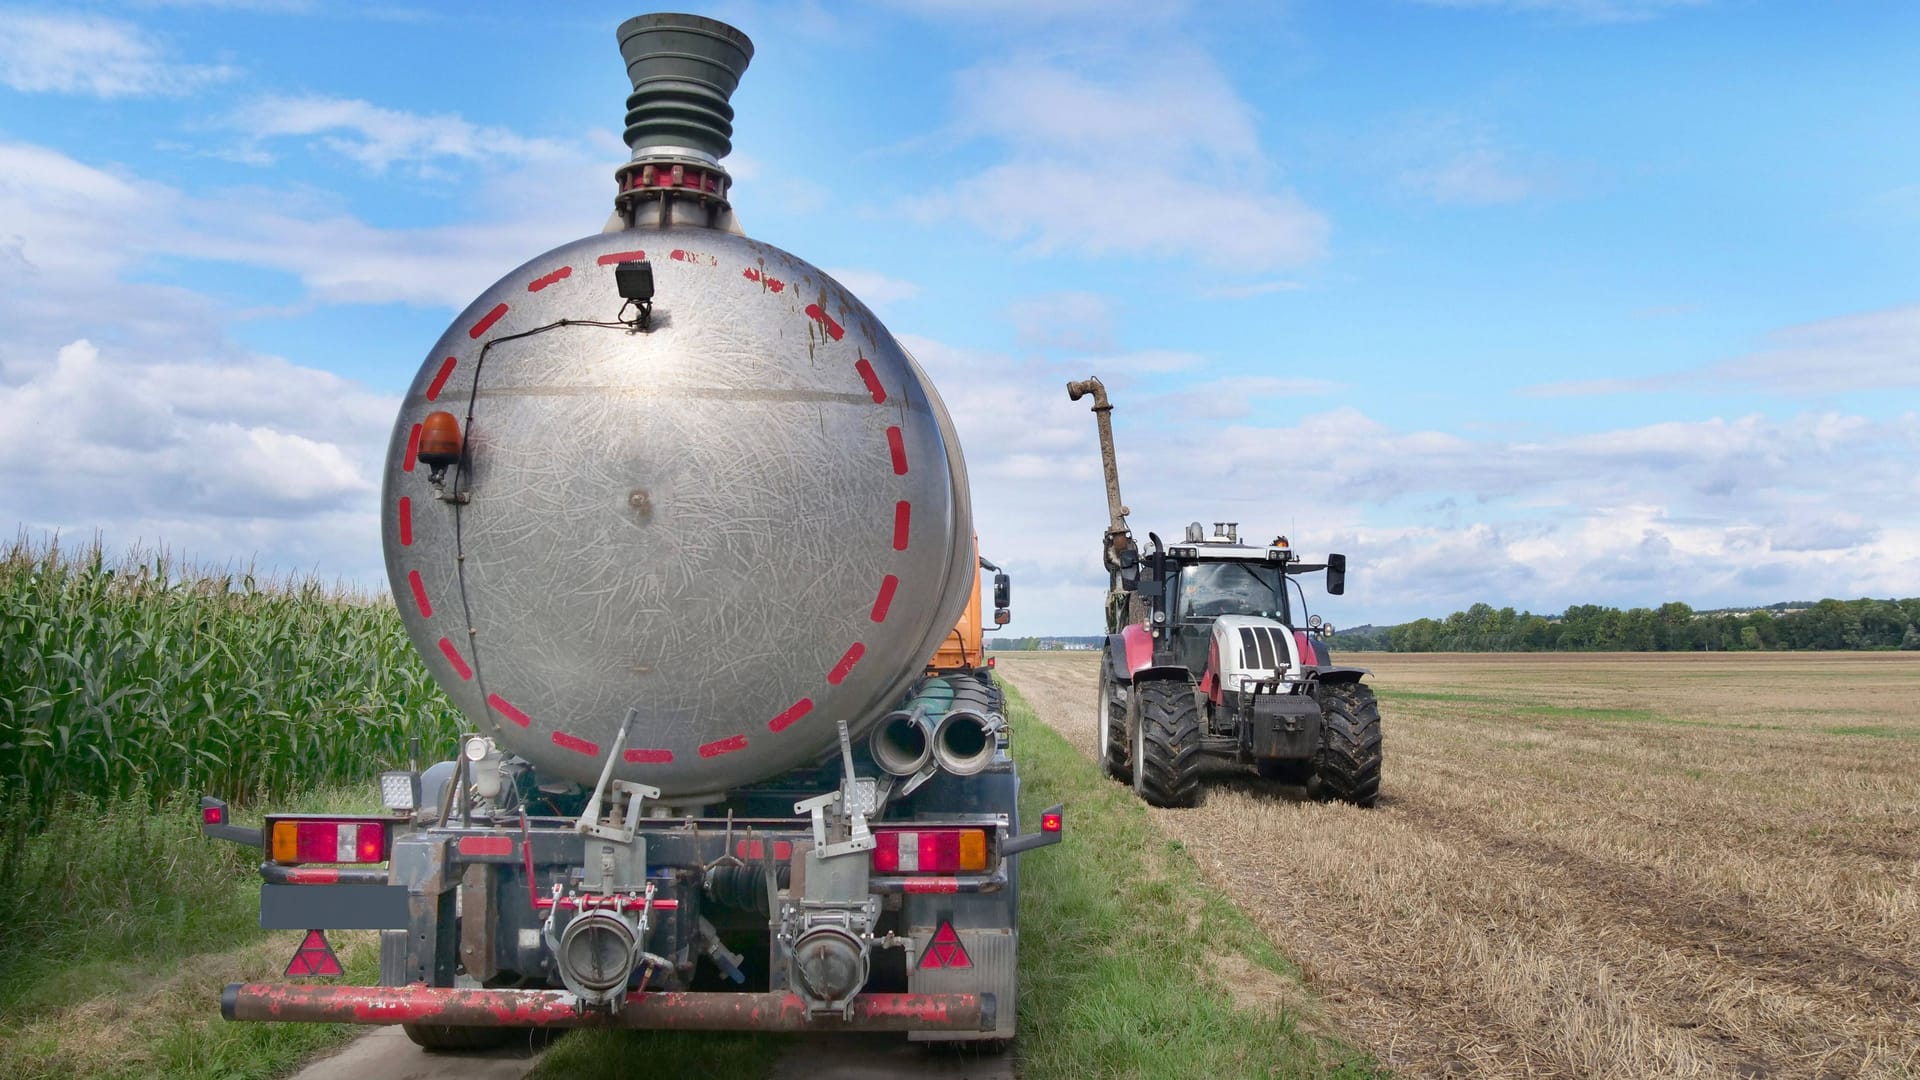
327, 840
929, 851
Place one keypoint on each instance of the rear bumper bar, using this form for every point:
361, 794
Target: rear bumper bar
418, 1004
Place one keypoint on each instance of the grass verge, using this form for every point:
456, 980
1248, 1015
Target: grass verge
119, 925
1130, 965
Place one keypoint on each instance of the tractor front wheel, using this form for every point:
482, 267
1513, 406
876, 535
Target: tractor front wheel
1347, 766
1166, 742
1110, 726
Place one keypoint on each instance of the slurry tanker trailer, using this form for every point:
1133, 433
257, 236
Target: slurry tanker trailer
684, 533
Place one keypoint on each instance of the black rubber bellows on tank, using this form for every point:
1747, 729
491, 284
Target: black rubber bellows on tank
683, 69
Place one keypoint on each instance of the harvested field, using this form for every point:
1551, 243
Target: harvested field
1594, 865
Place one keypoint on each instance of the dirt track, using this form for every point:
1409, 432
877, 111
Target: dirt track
1596, 866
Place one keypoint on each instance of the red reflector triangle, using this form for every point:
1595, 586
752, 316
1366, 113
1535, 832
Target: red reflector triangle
945, 950
314, 957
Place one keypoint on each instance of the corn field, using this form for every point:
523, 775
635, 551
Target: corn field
139, 674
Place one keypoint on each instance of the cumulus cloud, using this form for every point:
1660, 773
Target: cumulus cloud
1074, 182
220, 455
92, 55
1714, 511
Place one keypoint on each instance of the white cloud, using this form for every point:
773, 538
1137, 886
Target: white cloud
1597, 11
1073, 320
1476, 176
1714, 511
93, 55
1074, 180
378, 137
1874, 350
878, 290
72, 229
94, 441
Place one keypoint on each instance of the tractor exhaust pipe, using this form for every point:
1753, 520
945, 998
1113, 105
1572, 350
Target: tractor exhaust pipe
903, 743
964, 741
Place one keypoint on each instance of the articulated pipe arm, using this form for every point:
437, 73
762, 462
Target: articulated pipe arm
1103, 416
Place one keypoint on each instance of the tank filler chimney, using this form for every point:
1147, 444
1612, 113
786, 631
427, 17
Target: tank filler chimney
679, 124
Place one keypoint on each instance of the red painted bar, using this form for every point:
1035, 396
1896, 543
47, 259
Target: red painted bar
417, 1004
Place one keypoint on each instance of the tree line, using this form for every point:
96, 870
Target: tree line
1671, 627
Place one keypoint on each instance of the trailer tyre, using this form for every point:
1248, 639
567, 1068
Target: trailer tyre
1166, 743
1110, 727
449, 1037
1347, 765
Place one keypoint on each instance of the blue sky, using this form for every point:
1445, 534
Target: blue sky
1536, 302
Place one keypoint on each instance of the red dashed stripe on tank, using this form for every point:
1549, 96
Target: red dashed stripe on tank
818, 314
505, 708
865, 368
453, 656
884, 600
440, 379
724, 746
406, 521
791, 713
419, 594
648, 757
621, 256
902, 522
897, 446
575, 743
486, 321
413, 449
545, 280
847, 660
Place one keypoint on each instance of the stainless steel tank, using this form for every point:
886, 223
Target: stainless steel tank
745, 522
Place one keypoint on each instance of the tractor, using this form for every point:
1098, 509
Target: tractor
1207, 657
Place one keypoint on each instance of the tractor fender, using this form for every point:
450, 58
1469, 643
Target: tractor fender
1163, 672
1343, 674
1128, 652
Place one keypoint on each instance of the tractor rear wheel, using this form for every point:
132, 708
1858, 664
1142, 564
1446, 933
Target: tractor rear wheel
1110, 727
1166, 742
1347, 765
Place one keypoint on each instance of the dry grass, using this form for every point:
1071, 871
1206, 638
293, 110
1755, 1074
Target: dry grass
1619, 866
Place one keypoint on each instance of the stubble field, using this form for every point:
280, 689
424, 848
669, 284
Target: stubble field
1594, 865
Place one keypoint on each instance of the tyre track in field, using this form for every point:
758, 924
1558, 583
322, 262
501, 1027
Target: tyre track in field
1450, 945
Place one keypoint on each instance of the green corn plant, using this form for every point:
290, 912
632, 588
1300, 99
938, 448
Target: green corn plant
144, 675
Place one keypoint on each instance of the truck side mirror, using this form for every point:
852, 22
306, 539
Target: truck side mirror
1002, 617
1002, 592
1336, 575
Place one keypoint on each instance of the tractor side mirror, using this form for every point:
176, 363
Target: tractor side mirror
1002, 592
1001, 617
1336, 575
1130, 577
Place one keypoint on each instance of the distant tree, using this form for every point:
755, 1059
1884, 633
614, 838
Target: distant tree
1911, 640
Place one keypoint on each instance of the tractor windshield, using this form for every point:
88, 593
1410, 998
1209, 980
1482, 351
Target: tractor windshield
1233, 588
